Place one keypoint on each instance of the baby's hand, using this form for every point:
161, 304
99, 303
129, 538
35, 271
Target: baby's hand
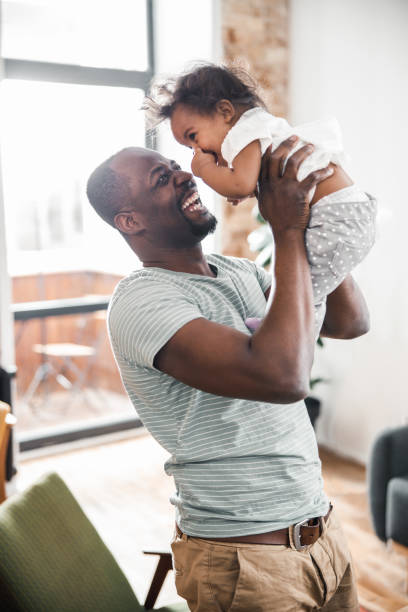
236, 201
200, 160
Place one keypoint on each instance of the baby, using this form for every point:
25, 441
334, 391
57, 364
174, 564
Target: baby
217, 112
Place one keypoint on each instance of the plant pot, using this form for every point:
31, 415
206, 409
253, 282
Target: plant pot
313, 409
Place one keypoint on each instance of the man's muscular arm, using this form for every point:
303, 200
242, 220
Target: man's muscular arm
347, 314
274, 364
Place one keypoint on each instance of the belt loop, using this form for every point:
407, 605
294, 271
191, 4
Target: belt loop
291, 541
323, 527
179, 534
324, 522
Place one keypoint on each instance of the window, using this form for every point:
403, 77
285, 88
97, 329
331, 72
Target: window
54, 136
79, 32
75, 75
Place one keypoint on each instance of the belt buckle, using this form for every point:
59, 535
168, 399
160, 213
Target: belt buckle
296, 533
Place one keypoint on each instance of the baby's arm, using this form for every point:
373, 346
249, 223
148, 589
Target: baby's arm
236, 182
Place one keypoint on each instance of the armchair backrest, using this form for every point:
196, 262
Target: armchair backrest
389, 459
53, 560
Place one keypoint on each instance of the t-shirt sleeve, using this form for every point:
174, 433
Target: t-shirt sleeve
263, 276
251, 126
144, 318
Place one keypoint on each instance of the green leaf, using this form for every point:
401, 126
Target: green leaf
257, 215
315, 381
265, 256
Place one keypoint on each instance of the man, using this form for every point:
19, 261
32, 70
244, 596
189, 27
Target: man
226, 405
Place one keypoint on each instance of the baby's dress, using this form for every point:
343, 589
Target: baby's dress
341, 228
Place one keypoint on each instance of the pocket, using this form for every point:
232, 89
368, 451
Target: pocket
320, 582
334, 542
191, 563
348, 254
223, 574
178, 555
276, 581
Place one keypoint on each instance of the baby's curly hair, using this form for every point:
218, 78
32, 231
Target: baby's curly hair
201, 88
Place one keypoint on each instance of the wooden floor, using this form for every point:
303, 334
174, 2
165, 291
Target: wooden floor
381, 573
124, 491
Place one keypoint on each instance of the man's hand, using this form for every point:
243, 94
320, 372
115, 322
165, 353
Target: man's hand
200, 160
284, 201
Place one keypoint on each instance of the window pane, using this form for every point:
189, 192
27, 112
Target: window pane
98, 33
54, 136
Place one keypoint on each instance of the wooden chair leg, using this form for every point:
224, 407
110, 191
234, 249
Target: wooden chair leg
164, 565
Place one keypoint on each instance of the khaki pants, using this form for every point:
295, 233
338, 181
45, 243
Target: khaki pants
227, 577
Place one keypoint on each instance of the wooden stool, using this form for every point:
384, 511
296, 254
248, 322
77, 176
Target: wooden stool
65, 351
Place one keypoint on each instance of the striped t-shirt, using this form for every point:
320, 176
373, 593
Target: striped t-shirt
239, 466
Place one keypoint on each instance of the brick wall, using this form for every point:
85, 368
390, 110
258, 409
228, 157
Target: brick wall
255, 33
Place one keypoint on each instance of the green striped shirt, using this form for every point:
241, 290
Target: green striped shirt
239, 466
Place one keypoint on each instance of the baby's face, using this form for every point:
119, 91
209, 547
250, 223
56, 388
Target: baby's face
193, 129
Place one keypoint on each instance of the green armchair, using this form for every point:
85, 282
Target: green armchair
53, 560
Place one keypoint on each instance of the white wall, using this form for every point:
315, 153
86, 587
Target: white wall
349, 58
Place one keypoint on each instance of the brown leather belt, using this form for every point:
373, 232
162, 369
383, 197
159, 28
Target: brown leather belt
304, 533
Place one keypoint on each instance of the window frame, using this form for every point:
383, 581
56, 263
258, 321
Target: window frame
55, 72
23, 69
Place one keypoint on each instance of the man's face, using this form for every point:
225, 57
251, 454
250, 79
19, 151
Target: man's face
166, 197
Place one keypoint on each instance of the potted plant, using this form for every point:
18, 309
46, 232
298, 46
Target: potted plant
313, 403
261, 240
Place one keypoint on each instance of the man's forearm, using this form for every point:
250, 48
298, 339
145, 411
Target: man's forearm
286, 336
347, 314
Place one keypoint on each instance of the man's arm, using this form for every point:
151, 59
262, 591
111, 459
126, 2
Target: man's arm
274, 364
347, 314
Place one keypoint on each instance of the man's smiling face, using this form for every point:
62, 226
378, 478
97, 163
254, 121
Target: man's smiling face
165, 197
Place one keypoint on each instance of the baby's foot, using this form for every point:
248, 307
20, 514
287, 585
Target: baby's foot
253, 323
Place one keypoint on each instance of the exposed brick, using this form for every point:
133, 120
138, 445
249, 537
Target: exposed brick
255, 34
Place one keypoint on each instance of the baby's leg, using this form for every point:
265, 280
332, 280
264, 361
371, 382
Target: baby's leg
340, 233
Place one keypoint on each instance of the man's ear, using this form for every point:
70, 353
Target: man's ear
129, 222
227, 110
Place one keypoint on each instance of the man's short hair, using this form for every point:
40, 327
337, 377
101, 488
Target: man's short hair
108, 191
